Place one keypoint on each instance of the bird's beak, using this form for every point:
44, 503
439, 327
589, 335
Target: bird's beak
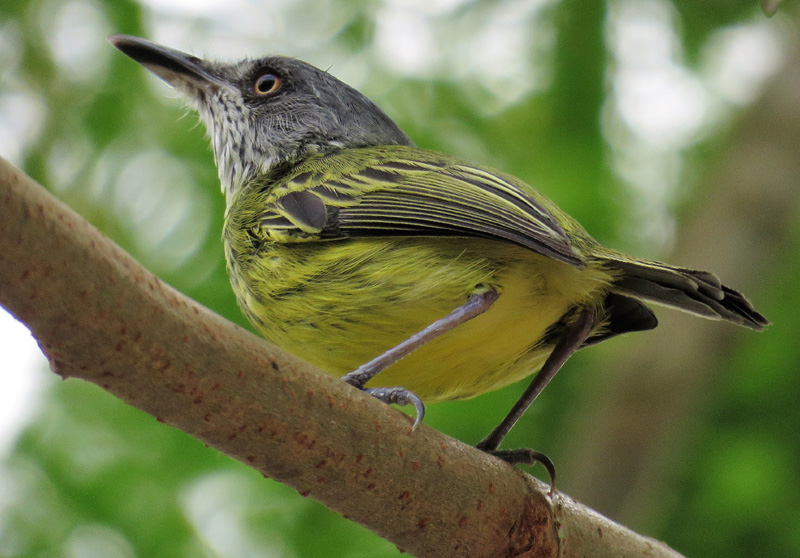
173, 66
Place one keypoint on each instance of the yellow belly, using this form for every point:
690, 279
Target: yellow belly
340, 304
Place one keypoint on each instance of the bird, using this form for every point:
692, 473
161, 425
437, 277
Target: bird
414, 275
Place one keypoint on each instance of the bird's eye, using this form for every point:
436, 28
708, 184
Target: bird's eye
266, 84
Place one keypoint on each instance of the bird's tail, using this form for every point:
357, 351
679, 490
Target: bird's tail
697, 292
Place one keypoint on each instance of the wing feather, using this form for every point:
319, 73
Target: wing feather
406, 191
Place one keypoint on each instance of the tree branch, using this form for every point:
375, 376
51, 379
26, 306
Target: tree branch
100, 316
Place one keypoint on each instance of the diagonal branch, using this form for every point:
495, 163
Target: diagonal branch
100, 316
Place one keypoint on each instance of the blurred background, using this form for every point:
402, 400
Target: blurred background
670, 129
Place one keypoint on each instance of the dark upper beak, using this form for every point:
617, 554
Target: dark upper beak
173, 66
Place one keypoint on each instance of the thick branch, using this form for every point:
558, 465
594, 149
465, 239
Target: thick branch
100, 316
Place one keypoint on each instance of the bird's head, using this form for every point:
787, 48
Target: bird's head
268, 111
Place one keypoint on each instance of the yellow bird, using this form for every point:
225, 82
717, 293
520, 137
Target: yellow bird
416, 275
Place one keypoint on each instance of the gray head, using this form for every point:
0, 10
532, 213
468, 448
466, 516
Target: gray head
261, 113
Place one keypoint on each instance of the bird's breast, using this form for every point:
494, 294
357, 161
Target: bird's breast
339, 304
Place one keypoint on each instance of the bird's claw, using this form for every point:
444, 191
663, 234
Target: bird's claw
528, 457
399, 396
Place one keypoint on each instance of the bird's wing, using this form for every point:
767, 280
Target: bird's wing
406, 191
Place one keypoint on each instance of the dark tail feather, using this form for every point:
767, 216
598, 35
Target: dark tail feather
698, 292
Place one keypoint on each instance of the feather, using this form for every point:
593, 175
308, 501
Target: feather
402, 191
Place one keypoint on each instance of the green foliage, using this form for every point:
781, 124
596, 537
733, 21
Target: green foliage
94, 477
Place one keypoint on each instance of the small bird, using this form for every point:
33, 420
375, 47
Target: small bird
414, 274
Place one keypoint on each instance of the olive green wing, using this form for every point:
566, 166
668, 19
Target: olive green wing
406, 191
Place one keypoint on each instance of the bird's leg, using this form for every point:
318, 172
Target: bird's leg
570, 342
475, 306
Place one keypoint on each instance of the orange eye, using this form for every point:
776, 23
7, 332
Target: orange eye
266, 84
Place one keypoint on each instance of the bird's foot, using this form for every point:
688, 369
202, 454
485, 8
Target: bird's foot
397, 395
528, 457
